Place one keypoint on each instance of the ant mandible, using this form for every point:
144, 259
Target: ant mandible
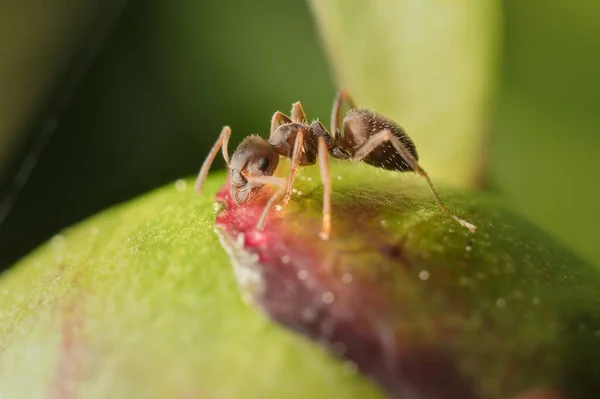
366, 136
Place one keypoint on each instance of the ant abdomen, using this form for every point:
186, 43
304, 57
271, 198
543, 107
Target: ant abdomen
361, 124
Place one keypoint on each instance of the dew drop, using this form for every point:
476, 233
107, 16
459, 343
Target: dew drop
299, 192
327, 297
309, 178
278, 208
424, 275
346, 278
302, 274
294, 190
285, 259
175, 269
339, 177
383, 223
518, 294
500, 302
464, 281
468, 248
309, 314
536, 300
180, 185
58, 241
256, 238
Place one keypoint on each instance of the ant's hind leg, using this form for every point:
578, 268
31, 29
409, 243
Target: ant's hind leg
278, 119
298, 146
271, 180
298, 114
341, 98
386, 135
326, 179
221, 143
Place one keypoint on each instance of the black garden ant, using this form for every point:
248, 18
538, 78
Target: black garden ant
366, 136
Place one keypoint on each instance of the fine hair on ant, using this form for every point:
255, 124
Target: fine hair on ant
365, 136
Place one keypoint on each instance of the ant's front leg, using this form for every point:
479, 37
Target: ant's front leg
298, 114
278, 118
383, 136
326, 179
296, 152
271, 180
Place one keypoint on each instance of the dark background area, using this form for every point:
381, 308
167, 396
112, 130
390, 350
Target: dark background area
166, 79
160, 78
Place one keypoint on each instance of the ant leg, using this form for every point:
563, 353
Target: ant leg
278, 119
386, 135
272, 180
326, 179
298, 146
341, 97
298, 114
221, 143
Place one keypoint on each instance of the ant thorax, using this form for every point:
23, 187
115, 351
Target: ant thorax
284, 138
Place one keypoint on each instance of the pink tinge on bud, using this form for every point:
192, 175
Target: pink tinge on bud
318, 288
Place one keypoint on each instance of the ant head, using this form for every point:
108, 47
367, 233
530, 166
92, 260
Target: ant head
253, 157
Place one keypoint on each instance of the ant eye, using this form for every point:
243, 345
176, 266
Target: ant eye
263, 164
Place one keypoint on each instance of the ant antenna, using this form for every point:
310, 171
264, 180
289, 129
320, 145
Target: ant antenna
221, 144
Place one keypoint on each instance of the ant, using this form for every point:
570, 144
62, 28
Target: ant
365, 136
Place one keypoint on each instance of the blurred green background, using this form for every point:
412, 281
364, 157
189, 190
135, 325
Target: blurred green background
160, 78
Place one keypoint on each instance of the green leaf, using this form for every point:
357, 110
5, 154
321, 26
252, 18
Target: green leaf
428, 64
140, 301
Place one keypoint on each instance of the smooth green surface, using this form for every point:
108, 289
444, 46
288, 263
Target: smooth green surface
430, 65
140, 301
